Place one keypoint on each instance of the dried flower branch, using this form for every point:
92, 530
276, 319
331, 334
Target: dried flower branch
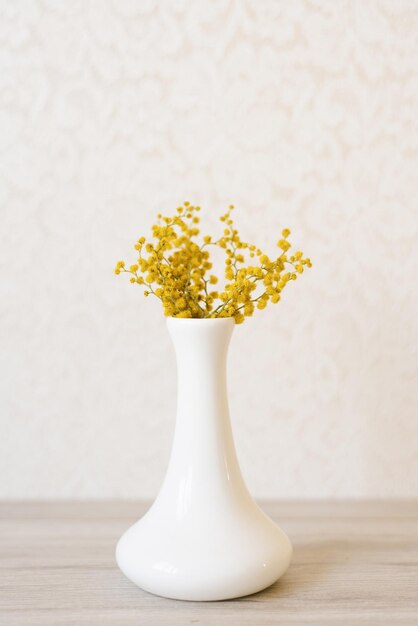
175, 268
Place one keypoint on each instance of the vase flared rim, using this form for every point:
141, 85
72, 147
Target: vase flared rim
195, 320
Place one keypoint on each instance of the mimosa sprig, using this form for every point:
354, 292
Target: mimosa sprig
175, 267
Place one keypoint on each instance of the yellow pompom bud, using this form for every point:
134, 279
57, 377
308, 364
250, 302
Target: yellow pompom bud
239, 318
248, 309
229, 273
283, 244
181, 303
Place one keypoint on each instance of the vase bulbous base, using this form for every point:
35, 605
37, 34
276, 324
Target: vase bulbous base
204, 560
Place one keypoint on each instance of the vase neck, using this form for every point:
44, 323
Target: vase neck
203, 466
201, 348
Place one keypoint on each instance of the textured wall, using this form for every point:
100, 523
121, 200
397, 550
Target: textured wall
304, 114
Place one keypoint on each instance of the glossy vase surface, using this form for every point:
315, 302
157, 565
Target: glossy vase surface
204, 537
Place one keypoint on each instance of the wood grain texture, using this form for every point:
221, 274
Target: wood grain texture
354, 563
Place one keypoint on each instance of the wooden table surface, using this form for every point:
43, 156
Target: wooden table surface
353, 563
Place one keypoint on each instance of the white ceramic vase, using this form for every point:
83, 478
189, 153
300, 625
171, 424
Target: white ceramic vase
204, 537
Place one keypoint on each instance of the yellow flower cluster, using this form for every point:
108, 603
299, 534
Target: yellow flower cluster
176, 269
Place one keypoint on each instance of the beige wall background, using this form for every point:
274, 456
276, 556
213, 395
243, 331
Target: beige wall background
302, 113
